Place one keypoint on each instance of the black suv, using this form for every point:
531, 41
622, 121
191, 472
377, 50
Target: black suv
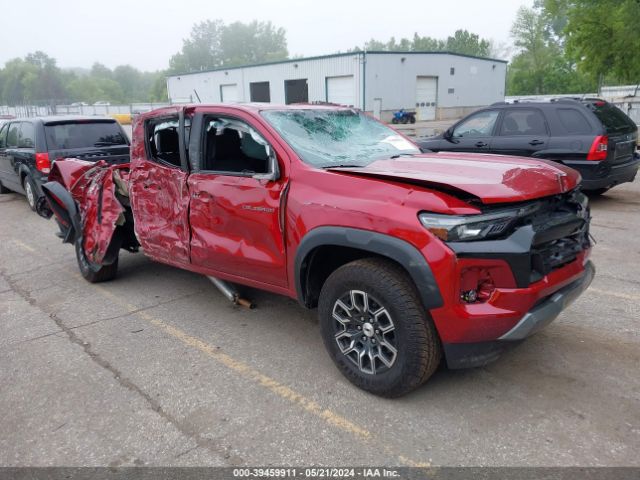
590, 135
29, 146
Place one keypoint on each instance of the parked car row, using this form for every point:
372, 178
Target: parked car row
29, 146
589, 135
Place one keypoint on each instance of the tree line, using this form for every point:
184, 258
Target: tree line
559, 46
36, 79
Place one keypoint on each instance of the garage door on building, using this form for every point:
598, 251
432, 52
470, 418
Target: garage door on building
229, 93
296, 91
259, 92
341, 90
426, 97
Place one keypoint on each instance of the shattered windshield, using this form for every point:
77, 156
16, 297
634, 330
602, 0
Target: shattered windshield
332, 138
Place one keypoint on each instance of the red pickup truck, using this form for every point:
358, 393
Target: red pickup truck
408, 257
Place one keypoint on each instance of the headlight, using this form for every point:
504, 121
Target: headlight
458, 228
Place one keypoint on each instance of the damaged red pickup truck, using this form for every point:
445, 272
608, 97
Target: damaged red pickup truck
408, 257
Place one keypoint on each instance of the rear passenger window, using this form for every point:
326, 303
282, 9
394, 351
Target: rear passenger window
573, 121
12, 136
162, 141
26, 137
523, 122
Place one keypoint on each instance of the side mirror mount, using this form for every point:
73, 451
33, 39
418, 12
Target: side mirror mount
273, 173
449, 136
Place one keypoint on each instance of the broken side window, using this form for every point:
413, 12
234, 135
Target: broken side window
232, 146
163, 141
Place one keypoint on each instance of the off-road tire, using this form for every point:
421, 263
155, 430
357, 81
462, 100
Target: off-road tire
418, 345
102, 274
30, 191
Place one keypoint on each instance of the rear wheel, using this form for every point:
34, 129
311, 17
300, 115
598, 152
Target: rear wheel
30, 191
91, 272
376, 329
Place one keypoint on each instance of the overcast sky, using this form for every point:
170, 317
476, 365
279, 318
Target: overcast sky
145, 33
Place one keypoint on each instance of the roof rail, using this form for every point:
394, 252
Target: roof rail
566, 100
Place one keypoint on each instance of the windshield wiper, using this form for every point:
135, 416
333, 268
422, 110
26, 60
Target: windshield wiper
398, 155
343, 165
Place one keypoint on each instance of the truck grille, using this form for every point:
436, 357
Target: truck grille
561, 229
545, 235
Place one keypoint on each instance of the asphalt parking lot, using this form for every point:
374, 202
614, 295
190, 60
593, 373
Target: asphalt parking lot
157, 368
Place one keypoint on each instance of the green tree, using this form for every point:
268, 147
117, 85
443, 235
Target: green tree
601, 36
468, 43
131, 81
99, 70
213, 44
242, 43
16, 74
462, 41
35, 79
45, 83
540, 66
158, 91
427, 44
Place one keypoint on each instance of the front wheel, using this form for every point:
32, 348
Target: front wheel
91, 272
394, 120
376, 329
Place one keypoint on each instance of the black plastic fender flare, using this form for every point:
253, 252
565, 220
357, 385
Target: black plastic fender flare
381, 244
55, 189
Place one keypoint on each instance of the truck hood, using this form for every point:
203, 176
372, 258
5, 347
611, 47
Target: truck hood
491, 178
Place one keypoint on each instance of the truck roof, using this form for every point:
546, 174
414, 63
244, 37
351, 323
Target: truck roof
256, 106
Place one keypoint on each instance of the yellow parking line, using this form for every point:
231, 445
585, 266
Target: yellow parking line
248, 372
24, 245
245, 370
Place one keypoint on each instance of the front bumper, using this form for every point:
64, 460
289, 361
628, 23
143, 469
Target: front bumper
463, 355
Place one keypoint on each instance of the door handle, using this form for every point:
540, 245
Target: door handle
481, 144
536, 142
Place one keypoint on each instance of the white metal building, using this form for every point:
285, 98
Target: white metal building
437, 85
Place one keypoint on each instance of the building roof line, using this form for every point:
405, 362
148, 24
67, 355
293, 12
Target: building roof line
333, 55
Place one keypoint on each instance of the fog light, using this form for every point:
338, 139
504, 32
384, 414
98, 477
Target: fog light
477, 285
469, 296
